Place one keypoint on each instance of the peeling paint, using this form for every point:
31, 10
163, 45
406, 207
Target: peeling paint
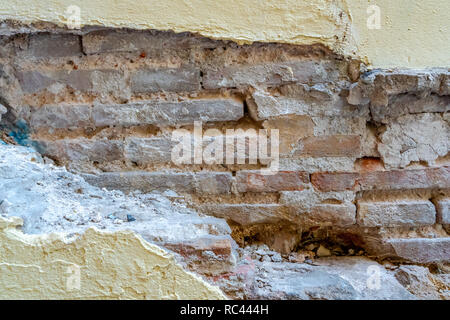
110, 265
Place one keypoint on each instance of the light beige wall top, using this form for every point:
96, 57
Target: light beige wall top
413, 34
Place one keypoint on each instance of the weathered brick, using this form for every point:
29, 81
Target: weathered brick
443, 210
422, 250
406, 179
99, 81
53, 45
148, 150
167, 113
271, 74
410, 104
334, 181
201, 182
329, 146
249, 181
82, 150
57, 116
123, 41
396, 213
243, 213
263, 106
428, 178
419, 137
326, 214
172, 79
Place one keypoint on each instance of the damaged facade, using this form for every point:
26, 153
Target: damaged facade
363, 178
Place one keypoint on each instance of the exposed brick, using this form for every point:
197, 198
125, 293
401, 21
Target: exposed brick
59, 116
271, 74
406, 179
201, 182
248, 181
265, 106
337, 215
396, 214
410, 104
443, 210
167, 113
422, 250
82, 150
334, 181
53, 45
243, 213
384, 180
148, 150
173, 79
99, 81
329, 146
122, 41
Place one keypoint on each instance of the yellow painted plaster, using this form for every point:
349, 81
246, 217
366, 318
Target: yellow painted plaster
119, 265
413, 34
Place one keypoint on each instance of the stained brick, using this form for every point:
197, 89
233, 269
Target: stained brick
53, 45
249, 181
329, 146
406, 179
398, 213
334, 181
122, 41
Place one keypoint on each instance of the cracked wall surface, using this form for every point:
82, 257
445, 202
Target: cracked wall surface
363, 171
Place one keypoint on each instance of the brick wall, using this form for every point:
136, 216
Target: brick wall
361, 152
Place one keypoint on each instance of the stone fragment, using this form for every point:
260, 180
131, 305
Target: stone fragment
248, 181
422, 250
412, 138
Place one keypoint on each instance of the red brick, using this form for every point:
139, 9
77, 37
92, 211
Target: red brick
383, 180
406, 179
334, 181
330, 146
281, 181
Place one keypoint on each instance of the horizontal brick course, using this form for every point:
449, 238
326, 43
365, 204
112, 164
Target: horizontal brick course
201, 182
167, 113
122, 41
271, 74
383, 180
159, 113
396, 213
254, 181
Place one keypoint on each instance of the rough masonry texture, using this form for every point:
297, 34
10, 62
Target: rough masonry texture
363, 164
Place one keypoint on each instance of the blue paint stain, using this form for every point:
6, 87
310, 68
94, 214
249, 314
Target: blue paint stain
21, 134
